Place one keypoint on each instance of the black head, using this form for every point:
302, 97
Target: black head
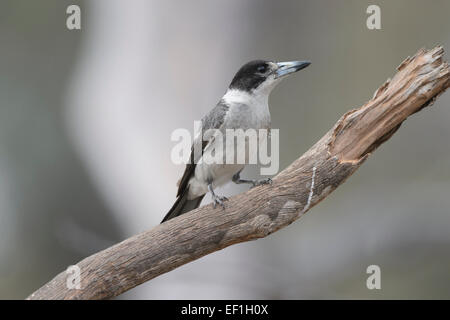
251, 75
264, 74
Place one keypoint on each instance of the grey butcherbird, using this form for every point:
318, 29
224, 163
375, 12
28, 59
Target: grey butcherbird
244, 106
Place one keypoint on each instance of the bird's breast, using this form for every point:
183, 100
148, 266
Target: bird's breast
248, 116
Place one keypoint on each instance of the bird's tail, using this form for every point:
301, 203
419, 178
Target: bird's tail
182, 205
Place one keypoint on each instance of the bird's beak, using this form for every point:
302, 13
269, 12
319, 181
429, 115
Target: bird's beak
285, 68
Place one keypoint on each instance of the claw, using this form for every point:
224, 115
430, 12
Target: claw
219, 200
216, 199
262, 182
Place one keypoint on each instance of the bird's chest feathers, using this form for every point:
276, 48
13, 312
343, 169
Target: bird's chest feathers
248, 112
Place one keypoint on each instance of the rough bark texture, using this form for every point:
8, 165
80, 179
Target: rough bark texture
265, 209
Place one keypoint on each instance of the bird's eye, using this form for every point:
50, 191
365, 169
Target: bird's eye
262, 68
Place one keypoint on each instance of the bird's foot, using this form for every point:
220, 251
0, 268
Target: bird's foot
216, 199
262, 182
219, 200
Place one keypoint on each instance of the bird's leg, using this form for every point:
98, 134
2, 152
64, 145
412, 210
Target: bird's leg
237, 179
217, 199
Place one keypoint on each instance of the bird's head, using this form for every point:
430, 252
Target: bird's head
261, 76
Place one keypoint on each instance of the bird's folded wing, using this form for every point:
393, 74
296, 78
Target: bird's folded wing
213, 120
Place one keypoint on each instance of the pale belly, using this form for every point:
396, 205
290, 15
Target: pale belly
219, 173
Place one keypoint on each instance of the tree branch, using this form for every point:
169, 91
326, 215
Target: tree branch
264, 209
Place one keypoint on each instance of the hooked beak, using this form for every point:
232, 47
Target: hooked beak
285, 68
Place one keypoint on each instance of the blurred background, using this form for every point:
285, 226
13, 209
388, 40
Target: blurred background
85, 123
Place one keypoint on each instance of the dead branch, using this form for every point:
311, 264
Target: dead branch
265, 209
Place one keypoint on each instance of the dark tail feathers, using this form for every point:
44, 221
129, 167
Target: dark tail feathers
182, 205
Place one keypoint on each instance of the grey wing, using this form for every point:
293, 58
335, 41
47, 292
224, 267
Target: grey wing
213, 120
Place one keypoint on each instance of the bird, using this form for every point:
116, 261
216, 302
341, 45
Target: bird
245, 105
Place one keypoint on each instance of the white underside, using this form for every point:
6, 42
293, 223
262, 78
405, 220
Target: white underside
246, 111
220, 173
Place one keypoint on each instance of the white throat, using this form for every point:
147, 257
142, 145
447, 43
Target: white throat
255, 99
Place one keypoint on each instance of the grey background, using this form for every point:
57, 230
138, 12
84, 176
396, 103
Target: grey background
86, 118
